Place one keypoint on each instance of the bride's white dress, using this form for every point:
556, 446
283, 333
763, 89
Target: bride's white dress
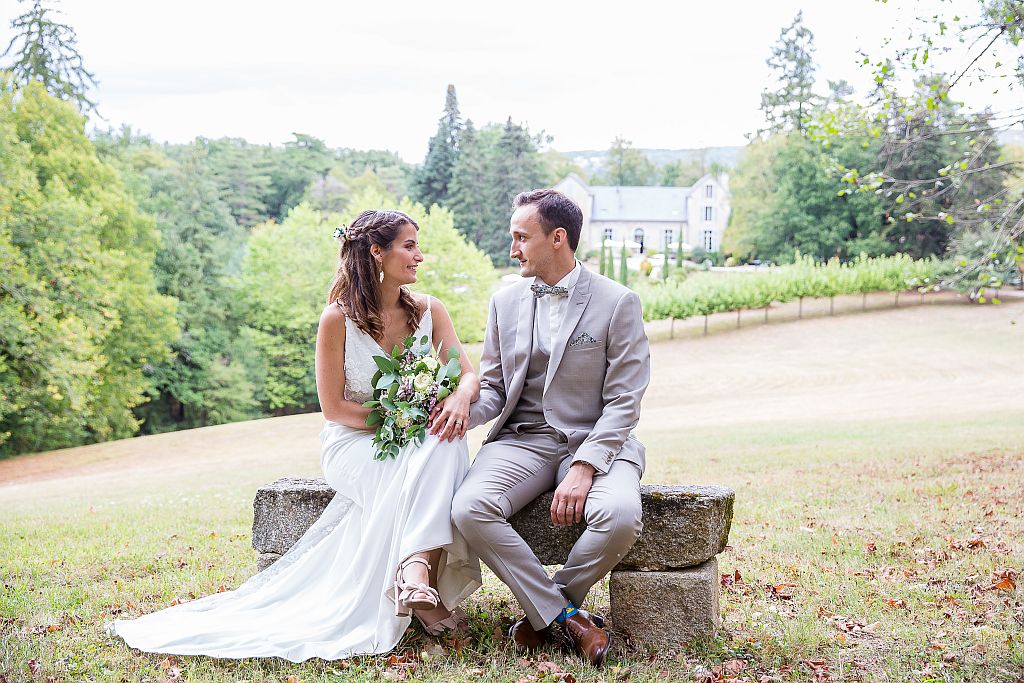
331, 595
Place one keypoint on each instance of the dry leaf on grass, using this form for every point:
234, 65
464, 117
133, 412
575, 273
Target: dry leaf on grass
782, 591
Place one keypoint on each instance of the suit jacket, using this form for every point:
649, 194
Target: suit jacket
599, 368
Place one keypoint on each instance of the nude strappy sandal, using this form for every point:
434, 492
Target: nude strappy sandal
405, 593
454, 622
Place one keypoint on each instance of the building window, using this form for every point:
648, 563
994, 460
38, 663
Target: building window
670, 237
609, 234
707, 213
638, 237
709, 244
708, 191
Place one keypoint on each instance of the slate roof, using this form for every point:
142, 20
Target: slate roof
624, 203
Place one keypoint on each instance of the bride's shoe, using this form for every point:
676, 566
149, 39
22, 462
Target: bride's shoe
455, 621
406, 599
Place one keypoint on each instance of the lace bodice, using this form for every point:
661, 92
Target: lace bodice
360, 348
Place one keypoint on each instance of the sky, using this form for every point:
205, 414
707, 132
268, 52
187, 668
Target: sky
373, 75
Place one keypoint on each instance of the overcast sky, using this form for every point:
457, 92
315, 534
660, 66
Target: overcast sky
373, 74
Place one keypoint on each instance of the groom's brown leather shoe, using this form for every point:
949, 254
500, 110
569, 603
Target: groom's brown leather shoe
588, 639
525, 637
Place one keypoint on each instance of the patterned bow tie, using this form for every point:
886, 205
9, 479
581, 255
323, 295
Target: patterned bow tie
540, 290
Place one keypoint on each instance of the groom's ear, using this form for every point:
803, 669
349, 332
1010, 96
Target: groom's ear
559, 236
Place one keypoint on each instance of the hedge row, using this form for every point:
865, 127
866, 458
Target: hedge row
781, 284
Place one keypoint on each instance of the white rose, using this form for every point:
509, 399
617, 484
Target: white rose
423, 381
403, 421
431, 363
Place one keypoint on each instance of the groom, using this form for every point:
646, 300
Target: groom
564, 366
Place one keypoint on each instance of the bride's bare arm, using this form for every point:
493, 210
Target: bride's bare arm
451, 418
330, 372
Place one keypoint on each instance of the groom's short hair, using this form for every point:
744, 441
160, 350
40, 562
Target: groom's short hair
555, 211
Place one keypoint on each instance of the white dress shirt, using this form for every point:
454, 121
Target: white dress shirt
552, 308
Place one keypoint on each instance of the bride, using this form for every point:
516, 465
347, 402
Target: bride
385, 547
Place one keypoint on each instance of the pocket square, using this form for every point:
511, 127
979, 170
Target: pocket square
582, 340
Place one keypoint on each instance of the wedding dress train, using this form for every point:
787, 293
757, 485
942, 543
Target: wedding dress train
331, 595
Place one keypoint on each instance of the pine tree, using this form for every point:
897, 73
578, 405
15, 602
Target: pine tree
469, 200
47, 53
623, 269
786, 108
432, 183
601, 260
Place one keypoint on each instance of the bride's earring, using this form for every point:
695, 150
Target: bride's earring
381, 266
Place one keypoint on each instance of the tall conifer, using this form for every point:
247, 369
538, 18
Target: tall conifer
432, 183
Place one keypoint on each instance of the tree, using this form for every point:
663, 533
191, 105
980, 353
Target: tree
625, 165
787, 107
987, 206
243, 181
495, 164
80, 317
47, 53
623, 267
210, 379
292, 169
432, 182
682, 173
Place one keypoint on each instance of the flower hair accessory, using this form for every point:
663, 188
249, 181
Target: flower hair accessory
339, 232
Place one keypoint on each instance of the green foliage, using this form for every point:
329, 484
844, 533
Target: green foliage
46, 53
210, 378
432, 182
80, 318
625, 165
623, 266
282, 288
292, 169
805, 278
243, 180
495, 164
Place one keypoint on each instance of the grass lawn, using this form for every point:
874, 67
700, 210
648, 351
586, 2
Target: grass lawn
877, 457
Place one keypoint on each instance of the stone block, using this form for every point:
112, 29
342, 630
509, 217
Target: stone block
684, 526
283, 511
665, 610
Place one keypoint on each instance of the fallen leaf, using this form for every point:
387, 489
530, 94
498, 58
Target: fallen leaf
782, 591
293, 679
52, 627
33, 667
168, 662
1004, 584
870, 547
897, 603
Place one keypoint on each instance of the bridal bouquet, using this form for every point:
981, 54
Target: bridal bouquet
406, 387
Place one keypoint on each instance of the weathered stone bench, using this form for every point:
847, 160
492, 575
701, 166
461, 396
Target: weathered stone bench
663, 593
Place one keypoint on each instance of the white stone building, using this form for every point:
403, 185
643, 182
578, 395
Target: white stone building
649, 215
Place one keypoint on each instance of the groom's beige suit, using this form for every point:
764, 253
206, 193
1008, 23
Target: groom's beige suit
562, 392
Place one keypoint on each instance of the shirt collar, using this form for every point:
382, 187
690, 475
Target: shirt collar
570, 279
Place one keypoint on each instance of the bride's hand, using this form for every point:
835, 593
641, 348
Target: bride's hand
450, 418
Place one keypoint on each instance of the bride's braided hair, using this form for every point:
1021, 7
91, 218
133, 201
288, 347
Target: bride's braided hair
356, 285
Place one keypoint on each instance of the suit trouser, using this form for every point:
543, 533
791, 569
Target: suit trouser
512, 471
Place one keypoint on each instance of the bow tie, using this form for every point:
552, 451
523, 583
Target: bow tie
540, 290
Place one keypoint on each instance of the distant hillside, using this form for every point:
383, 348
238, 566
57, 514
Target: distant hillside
591, 160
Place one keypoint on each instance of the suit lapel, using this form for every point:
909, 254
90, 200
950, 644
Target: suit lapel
524, 343
575, 307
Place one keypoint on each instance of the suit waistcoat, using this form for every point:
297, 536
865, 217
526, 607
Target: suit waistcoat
529, 411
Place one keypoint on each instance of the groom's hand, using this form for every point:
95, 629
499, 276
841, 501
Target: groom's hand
571, 495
